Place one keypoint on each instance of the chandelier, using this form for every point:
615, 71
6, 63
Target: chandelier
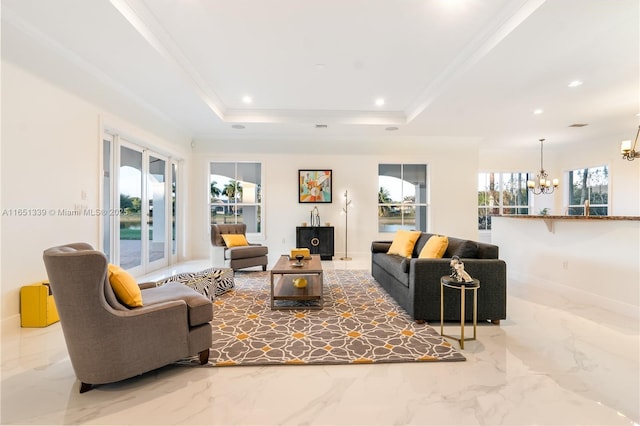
629, 152
542, 184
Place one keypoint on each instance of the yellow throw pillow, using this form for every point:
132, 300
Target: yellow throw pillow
403, 242
235, 240
435, 247
125, 286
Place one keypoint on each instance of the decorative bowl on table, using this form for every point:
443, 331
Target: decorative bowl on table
300, 282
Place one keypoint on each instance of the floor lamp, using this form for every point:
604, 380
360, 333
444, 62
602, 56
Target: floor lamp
345, 209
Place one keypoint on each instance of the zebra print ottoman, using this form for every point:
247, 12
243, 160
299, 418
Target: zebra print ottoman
221, 279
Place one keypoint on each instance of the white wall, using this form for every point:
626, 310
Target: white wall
452, 197
50, 156
51, 141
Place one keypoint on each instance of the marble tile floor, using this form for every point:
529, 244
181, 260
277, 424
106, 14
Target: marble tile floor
552, 362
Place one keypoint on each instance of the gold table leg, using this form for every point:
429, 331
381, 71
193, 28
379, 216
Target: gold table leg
462, 294
441, 309
475, 311
463, 288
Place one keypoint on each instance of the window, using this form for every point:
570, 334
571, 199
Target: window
501, 193
402, 197
589, 184
235, 194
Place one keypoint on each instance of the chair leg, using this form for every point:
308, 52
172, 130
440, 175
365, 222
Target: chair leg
204, 357
264, 267
85, 387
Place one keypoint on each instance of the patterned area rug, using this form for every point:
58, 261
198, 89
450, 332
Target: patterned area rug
360, 323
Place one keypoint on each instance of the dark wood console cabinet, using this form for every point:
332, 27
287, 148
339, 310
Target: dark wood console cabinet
318, 239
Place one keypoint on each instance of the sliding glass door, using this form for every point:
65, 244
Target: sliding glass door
131, 227
157, 206
139, 189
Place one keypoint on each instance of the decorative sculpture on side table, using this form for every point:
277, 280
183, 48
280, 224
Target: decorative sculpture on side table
315, 217
458, 272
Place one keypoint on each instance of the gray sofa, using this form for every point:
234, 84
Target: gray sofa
415, 283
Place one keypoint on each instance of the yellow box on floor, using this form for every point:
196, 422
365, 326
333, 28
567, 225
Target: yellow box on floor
37, 308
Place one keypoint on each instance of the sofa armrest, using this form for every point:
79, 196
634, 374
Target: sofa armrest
380, 246
485, 270
424, 275
428, 270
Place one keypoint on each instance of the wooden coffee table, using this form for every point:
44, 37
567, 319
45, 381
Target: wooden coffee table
284, 295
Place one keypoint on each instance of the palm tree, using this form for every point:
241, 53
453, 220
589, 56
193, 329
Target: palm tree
215, 191
384, 197
233, 189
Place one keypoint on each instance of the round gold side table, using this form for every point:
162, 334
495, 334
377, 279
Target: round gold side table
447, 281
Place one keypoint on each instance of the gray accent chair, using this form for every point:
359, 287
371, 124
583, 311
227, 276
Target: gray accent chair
239, 257
108, 341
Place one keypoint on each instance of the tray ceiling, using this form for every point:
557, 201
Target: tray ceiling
442, 68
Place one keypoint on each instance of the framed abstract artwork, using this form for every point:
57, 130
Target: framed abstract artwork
314, 186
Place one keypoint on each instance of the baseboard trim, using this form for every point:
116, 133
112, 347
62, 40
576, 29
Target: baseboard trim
581, 296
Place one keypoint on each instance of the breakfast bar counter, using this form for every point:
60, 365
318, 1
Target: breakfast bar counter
595, 257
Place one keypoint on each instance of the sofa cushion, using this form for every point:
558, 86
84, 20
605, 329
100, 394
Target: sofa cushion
405, 265
199, 307
394, 265
246, 252
467, 249
435, 247
403, 242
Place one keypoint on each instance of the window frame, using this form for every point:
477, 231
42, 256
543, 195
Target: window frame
421, 219
236, 205
594, 208
498, 207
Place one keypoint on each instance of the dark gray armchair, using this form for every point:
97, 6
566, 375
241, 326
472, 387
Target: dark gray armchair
243, 256
109, 342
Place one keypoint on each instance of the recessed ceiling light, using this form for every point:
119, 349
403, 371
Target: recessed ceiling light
538, 111
575, 83
455, 5
247, 99
391, 128
237, 126
379, 102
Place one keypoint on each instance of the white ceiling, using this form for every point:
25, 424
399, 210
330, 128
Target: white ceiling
445, 68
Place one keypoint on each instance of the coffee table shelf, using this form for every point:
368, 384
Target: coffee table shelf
284, 295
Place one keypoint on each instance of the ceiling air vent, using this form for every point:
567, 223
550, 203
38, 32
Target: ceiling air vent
321, 126
578, 125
